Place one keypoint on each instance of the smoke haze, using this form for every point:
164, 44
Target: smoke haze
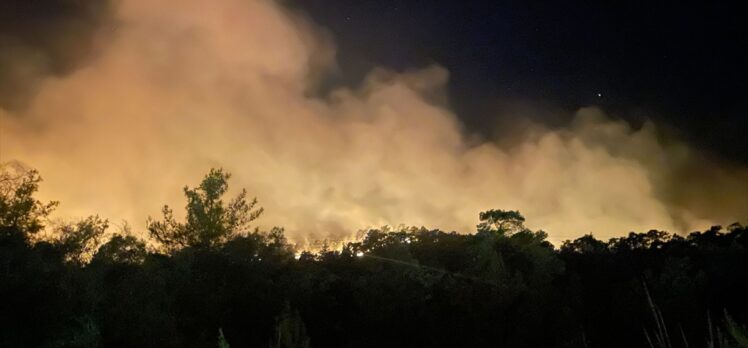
178, 87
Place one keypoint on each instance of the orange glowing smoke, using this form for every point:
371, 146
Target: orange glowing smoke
182, 86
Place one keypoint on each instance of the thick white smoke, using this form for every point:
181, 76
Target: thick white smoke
184, 85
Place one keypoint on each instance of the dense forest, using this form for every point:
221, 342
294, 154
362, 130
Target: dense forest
213, 280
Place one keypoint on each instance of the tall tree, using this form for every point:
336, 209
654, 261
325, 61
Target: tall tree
501, 221
209, 220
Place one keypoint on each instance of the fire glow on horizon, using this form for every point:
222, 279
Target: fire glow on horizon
179, 88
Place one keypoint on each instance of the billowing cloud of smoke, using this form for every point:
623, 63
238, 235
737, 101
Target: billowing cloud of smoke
45, 37
183, 86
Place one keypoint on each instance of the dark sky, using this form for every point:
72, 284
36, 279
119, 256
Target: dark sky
681, 64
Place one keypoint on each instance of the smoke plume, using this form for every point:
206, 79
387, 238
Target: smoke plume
180, 86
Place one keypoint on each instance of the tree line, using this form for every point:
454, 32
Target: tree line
213, 280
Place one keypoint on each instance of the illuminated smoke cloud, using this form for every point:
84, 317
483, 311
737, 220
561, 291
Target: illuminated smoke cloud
183, 86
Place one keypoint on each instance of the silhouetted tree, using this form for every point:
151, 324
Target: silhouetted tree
19, 210
209, 221
503, 285
501, 221
586, 244
122, 249
80, 240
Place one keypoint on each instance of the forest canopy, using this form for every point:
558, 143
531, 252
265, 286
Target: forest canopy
214, 280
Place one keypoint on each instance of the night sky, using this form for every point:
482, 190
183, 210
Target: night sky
679, 64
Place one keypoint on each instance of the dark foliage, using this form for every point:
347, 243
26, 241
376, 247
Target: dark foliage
502, 286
